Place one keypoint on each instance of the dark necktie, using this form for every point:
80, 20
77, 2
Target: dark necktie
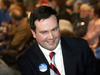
53, 70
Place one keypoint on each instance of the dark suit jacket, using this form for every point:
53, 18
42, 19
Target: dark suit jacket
78, 59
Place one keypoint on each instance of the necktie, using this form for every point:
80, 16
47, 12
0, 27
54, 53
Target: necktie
53, 70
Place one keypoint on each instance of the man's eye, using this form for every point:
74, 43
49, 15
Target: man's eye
44, 32
55, 29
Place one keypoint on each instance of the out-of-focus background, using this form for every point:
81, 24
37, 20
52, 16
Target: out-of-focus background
77, 18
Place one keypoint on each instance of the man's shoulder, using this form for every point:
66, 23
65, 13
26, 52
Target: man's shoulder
78, 45
30, 50
72, 38
74, 41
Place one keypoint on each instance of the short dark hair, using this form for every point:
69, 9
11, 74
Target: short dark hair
42, 12
7, 3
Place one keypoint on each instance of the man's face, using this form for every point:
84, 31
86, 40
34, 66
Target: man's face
47, 33
84, 12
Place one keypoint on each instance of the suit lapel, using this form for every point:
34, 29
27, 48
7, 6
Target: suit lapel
69, 58
40, 60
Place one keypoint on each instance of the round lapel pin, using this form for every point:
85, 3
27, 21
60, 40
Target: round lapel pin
43, 67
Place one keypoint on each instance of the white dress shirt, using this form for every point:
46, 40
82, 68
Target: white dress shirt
58, 58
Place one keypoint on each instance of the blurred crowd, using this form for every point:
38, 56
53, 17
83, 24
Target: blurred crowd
77, 18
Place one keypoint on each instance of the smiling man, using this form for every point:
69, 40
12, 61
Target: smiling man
47, 32
52, 54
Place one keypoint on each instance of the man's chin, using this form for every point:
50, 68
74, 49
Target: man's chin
51, 49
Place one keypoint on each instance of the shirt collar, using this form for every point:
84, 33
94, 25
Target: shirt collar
47, 52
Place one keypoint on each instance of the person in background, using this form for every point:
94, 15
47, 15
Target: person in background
57, 5
14, 2
76, 11
72, 55
5, 19
93, 31
19, 37
61, 9
80, 26
0, 16
69, 6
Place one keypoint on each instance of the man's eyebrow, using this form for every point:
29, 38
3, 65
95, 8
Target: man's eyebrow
55, 27
43, 31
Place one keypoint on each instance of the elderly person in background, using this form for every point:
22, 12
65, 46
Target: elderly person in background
76, 11
80, 26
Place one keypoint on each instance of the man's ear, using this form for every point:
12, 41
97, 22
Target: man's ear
34, 34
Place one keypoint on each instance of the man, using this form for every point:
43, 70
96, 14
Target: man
72, 55
80, 25
20, 29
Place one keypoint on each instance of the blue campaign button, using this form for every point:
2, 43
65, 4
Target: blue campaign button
43, 67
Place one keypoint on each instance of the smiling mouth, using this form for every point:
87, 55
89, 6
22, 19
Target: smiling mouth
51, 42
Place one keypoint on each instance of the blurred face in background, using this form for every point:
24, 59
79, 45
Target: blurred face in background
84, 12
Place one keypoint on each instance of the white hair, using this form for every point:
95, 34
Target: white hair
85, 6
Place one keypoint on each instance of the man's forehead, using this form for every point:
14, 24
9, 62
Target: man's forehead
39, 21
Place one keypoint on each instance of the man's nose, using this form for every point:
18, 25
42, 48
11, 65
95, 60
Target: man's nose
50, 35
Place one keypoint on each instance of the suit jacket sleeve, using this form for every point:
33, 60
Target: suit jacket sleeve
93, 67
24, 66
